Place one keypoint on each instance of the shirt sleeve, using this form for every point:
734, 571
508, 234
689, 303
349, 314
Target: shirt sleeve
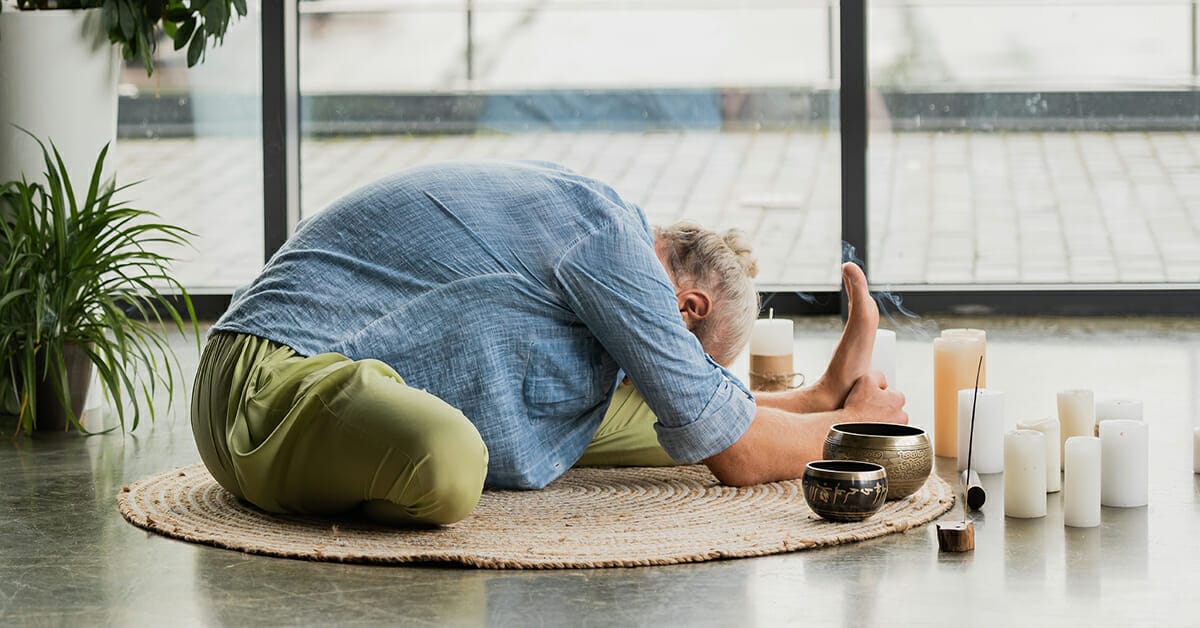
615, 283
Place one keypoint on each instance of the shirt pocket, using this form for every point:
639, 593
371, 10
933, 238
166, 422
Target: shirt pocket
560, 377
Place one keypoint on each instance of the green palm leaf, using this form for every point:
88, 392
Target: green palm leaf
89, 272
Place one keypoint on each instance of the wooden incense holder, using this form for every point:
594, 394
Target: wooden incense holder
976, 496
956, 536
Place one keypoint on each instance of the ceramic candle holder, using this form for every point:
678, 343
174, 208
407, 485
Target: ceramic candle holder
903, 450
844, 490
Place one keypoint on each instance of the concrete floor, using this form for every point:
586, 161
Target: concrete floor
68, 558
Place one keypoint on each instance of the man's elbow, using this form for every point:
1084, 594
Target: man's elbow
733, 467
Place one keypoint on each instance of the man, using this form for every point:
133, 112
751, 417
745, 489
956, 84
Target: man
464, 323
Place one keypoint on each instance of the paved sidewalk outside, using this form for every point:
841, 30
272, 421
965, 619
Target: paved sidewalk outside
945, 208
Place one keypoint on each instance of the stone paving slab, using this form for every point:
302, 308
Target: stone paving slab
945, 208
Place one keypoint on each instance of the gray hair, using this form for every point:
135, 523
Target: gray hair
723, 265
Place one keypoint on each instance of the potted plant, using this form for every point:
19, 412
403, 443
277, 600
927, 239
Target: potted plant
133, 24
83, 280
59, 66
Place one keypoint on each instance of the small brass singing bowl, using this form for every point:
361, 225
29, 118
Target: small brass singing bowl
844, 490
903, 450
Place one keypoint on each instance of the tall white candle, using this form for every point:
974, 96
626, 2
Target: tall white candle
1081, 482
979, 334
987, 456
883, 358
1076, 413
955, 360
771, 360
1049, 427
1117, 409
1196, 449
1125, 457
1024, 474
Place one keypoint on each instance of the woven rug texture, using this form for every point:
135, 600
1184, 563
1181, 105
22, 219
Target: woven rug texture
588, 518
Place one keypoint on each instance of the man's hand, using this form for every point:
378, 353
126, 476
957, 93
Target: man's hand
870, 400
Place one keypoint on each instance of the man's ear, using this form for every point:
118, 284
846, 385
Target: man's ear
695, 305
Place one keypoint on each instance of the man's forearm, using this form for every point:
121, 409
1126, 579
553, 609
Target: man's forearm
815, 398
777, 446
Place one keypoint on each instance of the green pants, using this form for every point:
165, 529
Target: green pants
325, 434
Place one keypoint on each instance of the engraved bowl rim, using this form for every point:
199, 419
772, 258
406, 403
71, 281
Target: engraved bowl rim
846, 435
853, 471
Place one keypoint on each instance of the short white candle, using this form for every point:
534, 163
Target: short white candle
1117, 409
1123, 409
771, 359
1081, 482
1049, 427
1076, 413
883, 358
1125, 457
987, 456
1196, 449
771, 336
1024, 474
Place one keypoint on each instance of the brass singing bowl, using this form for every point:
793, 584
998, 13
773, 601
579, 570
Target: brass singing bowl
903, 450
844, 490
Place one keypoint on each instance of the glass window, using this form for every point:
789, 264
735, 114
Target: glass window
1022, 143
194, 137
714, 113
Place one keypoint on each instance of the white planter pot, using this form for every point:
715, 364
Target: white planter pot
58, 79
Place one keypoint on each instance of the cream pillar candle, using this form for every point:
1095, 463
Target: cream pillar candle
1049, 427
1076, 413
883, 358
1081, 482
771, 361
1112, 409
955, 359
988, 454
972, 333
1196, 450
1125, 459
1024, 474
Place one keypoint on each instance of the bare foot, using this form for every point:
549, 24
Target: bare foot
852, 358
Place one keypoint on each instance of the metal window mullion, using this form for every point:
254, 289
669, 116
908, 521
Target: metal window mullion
281, 123
853, 128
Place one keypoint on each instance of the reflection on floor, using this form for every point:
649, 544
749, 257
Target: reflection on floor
67, 557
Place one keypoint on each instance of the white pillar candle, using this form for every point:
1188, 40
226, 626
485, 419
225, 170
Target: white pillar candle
1049, 427
1076, 413
1081, 482
1024, 474
1125, 454
987, 456
1117, 409
955, 360
1196, 449
883, 358
771, 361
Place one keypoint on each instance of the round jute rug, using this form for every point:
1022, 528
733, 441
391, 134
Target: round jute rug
588, 518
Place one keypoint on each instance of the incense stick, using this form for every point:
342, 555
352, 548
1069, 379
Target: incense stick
971, 437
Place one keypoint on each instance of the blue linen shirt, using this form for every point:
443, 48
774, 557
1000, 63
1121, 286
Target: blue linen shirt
515, 291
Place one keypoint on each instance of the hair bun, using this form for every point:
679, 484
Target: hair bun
739, 243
